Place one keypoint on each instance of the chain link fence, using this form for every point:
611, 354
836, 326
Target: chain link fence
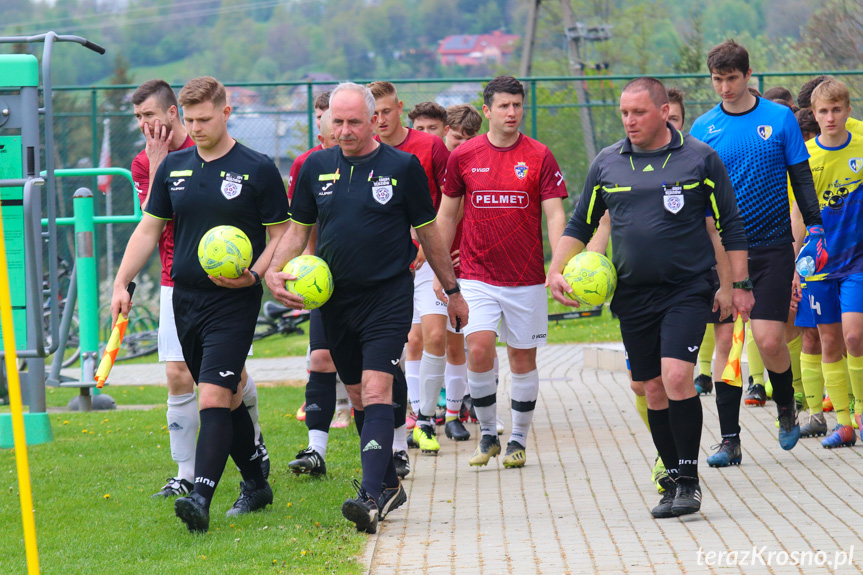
278, 120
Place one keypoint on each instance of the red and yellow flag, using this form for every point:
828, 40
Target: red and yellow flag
111, 350
732, 375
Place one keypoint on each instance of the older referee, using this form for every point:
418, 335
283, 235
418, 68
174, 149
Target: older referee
657, 185
365, 196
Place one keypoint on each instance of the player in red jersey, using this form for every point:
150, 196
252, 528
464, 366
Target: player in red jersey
507, 180
155, 107
322, 104
463, 123
425, 363
429, 117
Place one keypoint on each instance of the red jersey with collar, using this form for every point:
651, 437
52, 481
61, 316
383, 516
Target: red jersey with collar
503, 191
141, 179
295, 170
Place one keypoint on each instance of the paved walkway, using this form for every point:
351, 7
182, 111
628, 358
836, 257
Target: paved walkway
587, 494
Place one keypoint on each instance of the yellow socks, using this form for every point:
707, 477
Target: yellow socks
705, 354
795, 348
641, 406
836, 380
855, 375
756, 366
813, 381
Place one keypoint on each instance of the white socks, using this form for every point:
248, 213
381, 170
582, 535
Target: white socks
400, 439
183, 433
318, 441
250, 398
525, 390
432, 368
412, 375
456, 384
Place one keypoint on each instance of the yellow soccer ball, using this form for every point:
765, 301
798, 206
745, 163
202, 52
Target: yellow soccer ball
225, 251
592, 278
314, 281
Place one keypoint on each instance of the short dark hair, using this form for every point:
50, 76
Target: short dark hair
464, 118
652, 86
501, 85
806, 121
431, 110
727, 56
322, 102
779, 93
675, 96
158, 88
804, 97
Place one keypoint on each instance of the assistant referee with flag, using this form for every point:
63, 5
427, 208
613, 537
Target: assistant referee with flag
657, 185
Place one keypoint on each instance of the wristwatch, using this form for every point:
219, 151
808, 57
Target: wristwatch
454, 290
256, 276
745, 285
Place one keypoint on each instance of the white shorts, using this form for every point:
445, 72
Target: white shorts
519, 315
425, 300
169, 342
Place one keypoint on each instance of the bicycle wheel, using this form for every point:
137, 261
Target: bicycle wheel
264, 328
142, 335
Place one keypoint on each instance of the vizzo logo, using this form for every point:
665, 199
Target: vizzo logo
500, 199
539, 336
480, 170
372, 445
226, 373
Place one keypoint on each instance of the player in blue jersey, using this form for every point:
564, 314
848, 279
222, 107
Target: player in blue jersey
761, 146
836, 293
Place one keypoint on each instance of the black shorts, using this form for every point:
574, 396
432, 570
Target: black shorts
367, 329
771, 270
317, 340
215, 329
665, 320
714, 286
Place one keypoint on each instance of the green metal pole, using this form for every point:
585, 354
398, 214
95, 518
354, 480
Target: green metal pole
533, 128
88, 282
94, 130
310, 110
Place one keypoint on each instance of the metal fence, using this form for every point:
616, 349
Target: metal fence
277, 119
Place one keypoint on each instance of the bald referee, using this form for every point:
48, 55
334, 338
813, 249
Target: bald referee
657, 185
365, 196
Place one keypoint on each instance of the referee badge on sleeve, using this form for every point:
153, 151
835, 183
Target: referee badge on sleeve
382, 189
673, 198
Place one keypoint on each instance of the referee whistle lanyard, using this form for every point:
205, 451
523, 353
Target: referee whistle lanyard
732, 374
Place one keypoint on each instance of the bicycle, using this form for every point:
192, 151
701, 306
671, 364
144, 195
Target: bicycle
276, 318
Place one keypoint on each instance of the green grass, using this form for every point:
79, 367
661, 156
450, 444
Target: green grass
92, 488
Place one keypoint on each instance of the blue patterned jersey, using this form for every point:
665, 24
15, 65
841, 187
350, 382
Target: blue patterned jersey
838, 175
757, 147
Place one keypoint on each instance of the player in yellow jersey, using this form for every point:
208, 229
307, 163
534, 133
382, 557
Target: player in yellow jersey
835, 294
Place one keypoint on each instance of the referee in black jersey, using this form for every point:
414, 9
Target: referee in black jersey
216, 182
657, 185
365, 196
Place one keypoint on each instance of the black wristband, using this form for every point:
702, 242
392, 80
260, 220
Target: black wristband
454, 290
256, 276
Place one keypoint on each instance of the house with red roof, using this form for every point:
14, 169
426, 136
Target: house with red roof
477, 49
